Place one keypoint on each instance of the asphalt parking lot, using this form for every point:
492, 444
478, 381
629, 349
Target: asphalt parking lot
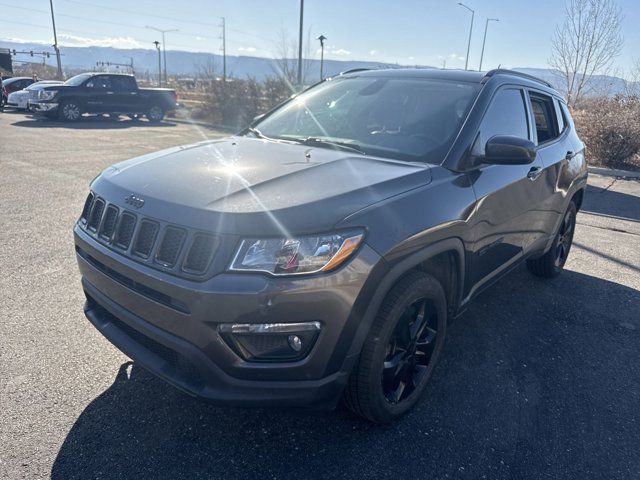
539, 379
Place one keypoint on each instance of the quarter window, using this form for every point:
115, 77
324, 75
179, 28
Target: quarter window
506, 115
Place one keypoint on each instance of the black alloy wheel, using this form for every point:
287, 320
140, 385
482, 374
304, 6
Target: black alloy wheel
409, 351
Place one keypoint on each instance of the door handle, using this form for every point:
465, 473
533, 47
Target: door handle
534, 173
109, 93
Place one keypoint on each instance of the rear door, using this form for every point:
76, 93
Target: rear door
126, 96
506, 221
551, 134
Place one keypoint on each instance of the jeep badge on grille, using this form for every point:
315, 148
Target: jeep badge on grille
135, 201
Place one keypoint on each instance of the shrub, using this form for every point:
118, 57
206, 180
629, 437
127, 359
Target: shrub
610, 128
236, 102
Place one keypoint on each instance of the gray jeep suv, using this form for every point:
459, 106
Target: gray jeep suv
320, 253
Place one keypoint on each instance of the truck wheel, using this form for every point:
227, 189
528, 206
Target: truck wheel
551, 263
401, 350
69, 111
155, 114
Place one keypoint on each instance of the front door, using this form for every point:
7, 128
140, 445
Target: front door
506, 220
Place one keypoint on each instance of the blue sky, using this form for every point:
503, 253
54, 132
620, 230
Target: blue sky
425, 32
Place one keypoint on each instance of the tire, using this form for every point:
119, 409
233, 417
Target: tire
69, 111
550, 265
387, 380
155, 114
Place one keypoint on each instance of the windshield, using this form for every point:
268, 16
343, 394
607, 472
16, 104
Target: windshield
77, 80
403, 118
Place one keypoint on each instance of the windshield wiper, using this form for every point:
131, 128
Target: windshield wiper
258, 133
315, 141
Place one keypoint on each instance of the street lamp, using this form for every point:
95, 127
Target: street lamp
484, 40
55, 41
157, 44
300, 44
473, 13
322, 38
164, 46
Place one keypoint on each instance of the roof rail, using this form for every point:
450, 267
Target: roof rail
506, 71
354, 70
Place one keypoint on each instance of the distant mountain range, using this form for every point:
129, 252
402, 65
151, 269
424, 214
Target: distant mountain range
189, 63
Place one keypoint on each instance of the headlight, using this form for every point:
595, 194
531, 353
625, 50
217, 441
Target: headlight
46, 94
299, 255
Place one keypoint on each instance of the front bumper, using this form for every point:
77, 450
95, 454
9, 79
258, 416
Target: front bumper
43, 106
169, 325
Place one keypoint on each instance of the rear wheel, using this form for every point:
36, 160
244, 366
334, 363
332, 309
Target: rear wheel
551, 263
155, 114
70, 111
401, 350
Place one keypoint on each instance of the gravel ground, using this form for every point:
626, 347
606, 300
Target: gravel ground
539, 379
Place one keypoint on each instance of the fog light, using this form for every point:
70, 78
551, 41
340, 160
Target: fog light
295, 342
270, 342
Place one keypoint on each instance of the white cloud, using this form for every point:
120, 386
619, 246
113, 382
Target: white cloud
372, 52
115, 42
22, 40
341, 52
247, 49
455, 56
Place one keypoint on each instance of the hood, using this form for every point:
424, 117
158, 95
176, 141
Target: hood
245, 184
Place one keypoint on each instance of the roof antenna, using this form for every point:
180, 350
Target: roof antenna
499, 66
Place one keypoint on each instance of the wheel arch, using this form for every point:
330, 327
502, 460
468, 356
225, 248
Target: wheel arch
444, 259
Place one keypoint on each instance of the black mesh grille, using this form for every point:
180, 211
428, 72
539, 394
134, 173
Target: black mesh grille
96, 214
170, 246
125, 230
146, 238
87, 207
109, 223
200, 253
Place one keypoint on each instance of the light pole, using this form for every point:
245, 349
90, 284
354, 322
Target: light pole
300, 44
484, 40
131, 64
164, 46
473, 13
157, 44
322, 38
55, 41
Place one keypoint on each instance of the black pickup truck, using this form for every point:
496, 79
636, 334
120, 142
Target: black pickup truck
104, 93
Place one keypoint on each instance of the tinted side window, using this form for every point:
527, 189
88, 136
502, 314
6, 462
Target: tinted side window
506, 115
545, 117
562, 124
122, 84
99, 82
565, 113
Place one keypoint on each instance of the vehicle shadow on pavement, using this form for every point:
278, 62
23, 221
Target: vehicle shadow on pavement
92, 123
539, 379
617, 205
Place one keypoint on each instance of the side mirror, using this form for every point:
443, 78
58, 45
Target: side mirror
509, 150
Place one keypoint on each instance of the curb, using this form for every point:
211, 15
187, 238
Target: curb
613, 172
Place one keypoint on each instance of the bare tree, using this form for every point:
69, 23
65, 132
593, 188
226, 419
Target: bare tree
586, 44
632, 84
286, 58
